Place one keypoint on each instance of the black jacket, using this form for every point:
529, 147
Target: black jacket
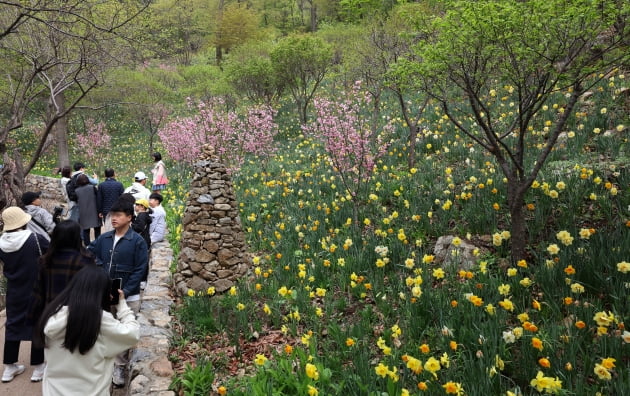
141, 225
108, 193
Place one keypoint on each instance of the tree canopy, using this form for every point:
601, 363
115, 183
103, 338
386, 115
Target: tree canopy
505, 59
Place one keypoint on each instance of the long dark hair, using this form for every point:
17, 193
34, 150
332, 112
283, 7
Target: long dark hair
87, 296
66, 171
65, 236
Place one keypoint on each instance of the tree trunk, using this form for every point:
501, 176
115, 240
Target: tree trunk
518, 229
376, 112
313, 16
11, 179
302, 105
60, 131
219, 55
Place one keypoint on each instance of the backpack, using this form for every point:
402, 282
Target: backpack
71, 186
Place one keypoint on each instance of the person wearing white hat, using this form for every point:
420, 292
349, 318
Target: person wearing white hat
138, 189
20, 250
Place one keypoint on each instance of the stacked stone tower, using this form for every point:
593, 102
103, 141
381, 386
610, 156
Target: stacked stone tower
213, 249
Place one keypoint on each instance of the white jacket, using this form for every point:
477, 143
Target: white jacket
138, 191
43, 217
157, 228
90, 374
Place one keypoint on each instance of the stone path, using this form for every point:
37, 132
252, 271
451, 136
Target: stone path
151, 371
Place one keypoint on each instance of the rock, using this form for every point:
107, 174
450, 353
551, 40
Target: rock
224, 255
205, 198
211, 246
162, 367
138, 384
222, 285
203, 256
462, 256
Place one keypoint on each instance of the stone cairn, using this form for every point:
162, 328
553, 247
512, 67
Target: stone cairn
213, 249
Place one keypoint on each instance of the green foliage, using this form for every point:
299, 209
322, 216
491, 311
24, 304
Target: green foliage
302, 61
357, 10
250, 71
196, 380
177, 29
237, 24
203, 82
492, 54
145, 86
289, 375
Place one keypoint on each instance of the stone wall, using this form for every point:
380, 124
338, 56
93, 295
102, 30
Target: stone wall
213, 250
150, 370
49, 186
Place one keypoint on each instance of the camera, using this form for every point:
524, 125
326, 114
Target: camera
58, 214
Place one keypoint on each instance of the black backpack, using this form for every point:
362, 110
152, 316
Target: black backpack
71, 186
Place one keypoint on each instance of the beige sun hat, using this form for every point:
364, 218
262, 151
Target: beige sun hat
14, 218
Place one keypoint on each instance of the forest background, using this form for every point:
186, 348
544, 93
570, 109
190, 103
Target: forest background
358, 132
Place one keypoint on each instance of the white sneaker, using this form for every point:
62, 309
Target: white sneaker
119, 376
11, 370
38, 373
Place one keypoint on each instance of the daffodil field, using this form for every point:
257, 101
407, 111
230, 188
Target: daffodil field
343, 306
434, 195
348, 297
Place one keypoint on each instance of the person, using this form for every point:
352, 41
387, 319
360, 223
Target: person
19, 251
66, 174
138, 189
41, 220
159, 173
108, 193
64, 258
81, 336
88, 209
157, 229
123, 254
79, 169
142, 222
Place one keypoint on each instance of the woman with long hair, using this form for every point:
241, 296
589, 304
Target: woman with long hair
82, 338
64, 258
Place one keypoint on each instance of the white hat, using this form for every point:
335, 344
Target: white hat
139, 176
14, 218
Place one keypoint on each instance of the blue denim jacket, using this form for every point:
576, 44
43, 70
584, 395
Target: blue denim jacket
129, 260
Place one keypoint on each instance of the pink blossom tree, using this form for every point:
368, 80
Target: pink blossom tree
93, 142
232, 134
353, 146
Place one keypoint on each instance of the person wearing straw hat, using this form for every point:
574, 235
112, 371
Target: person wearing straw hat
20, 250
